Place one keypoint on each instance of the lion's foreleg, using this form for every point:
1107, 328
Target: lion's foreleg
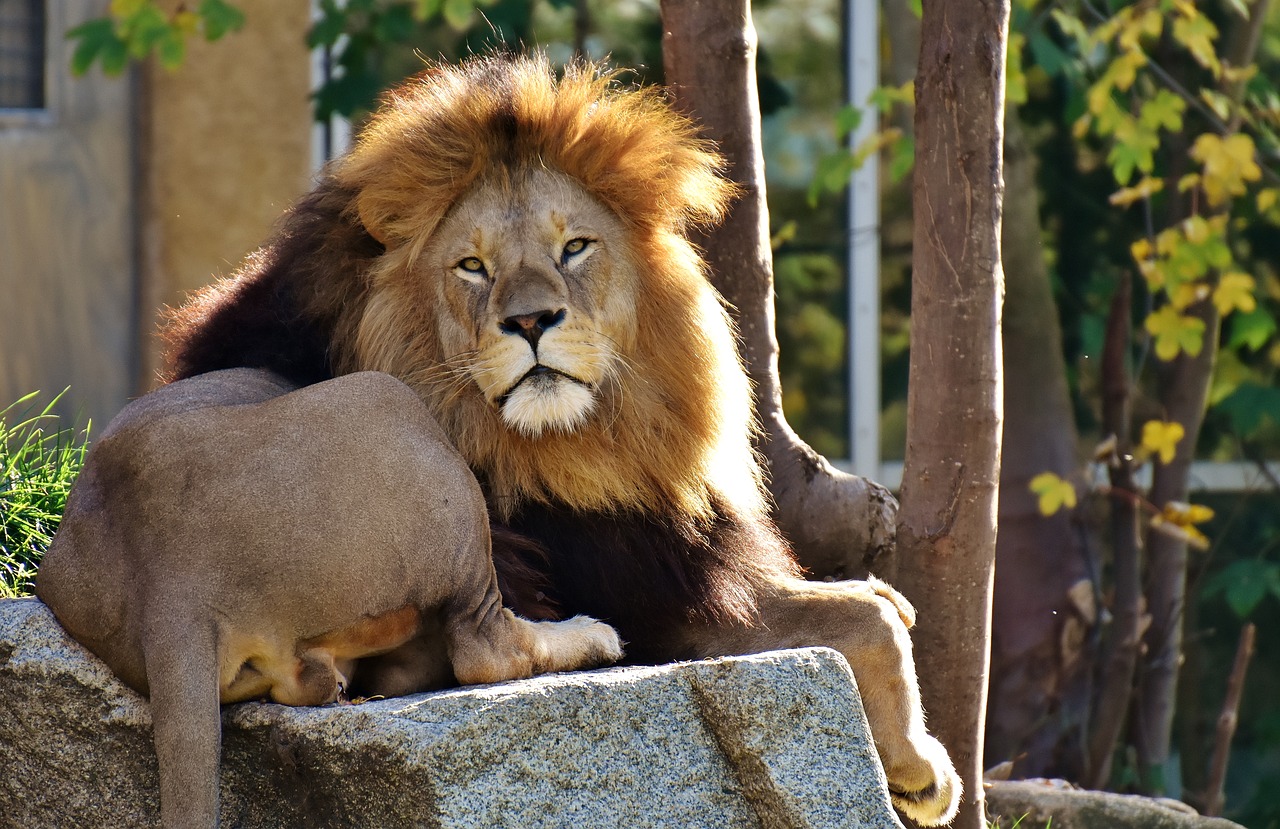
868, 623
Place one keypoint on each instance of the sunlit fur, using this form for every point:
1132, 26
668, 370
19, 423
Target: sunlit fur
509, 166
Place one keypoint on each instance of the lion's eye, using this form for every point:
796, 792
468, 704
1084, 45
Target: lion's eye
472, 265
574, 247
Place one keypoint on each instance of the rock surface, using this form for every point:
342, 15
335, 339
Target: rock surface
773, 740
1052, 802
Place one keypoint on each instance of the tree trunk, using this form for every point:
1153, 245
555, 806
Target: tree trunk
1184, 392
1044, 609
1115, 680
947, 525
838, 523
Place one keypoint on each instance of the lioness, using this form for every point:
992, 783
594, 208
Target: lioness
232, 537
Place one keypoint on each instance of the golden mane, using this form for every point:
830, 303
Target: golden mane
677, 434
437, 134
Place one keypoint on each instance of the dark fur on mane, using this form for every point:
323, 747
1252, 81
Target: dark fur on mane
647, 574
273, 313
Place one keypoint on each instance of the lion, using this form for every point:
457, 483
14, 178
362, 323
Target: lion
512, 246
191, 559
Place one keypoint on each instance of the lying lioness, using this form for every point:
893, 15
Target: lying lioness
233, 537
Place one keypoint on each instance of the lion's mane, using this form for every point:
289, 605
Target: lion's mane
650, 515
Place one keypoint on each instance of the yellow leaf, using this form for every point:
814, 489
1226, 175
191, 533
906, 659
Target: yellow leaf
1188, 181
1141, 249
125, 9
186, 22
1192, 536
1161, 438
1175, 332
1184, 514
1228, 164
1196, 229
1239, 75
1197, 32
1054, 493
1144, 189
1188, 294
1267, 199
1235, 291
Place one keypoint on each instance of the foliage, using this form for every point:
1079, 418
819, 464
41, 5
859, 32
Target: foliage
38, 462
136, 29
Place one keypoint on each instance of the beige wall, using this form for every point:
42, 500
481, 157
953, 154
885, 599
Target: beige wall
67, 275
129, 192
226, 147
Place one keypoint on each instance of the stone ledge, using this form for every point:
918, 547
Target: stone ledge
772, 740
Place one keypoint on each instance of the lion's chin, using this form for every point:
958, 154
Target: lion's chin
547, 402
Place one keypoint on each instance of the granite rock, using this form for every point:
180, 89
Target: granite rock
771, 740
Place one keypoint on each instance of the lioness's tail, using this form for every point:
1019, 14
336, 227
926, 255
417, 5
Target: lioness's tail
182, 674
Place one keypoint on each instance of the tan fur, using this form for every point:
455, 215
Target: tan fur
200, 561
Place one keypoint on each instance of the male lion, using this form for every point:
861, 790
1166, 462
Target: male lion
512, 247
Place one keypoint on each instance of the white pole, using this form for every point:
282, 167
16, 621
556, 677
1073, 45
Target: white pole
863, 73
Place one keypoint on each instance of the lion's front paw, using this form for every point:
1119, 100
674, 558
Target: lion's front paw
930, 793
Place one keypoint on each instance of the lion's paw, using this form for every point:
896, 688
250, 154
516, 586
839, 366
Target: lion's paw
935, 802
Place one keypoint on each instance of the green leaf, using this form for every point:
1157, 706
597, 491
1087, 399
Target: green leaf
848, 119
145, 31
327, 30
115, 56
220, 18
1249, 405
831, 175
93, 38
1048, 55
1244, 584
902, 158
395, 25
1163, 110
427, 9
172, 50
457, 13
1253, 329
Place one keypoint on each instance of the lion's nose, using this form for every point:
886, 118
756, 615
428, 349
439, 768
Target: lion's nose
532, 326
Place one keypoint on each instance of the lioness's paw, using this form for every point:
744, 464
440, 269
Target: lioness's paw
935, 802
580, 642
605, 644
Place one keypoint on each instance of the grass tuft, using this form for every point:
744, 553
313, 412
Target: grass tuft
38, 462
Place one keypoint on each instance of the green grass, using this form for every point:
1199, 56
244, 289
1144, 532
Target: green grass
38, 461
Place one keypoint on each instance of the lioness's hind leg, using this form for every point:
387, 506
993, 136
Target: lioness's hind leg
492, 644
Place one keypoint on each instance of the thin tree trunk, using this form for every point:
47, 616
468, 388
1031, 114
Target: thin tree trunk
1115, 683
947, 525
1184, 391
838, 523
1044, 610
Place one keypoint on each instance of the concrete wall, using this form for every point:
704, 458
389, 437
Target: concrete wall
226, 147
67, 275
129, 192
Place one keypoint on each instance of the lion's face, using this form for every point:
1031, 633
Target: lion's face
535, 299
536, 286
